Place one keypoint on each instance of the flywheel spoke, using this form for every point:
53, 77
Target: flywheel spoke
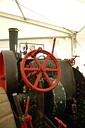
37, 62
48, 79
32, 74
31, 69
38, 78
51, 70
45, 62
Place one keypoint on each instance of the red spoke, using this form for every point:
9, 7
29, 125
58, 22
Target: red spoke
45, 62
32, 74
39, 85
38, 78
37, 62
51, 70
31, 69
48, 79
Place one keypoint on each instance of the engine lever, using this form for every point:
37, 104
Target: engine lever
60, 123
16, 100
23, 118
53, 45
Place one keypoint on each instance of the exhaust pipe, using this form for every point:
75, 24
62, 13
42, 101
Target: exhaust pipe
13, 39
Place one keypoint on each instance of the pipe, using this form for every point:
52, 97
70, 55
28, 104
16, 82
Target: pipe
49, 122
13, 39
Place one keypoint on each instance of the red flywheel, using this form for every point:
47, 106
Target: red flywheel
41, 70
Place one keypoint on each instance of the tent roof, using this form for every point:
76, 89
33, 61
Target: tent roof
64, 13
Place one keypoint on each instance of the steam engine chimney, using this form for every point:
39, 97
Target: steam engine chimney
13, 39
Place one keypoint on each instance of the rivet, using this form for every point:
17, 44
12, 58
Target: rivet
60, 102
62, 88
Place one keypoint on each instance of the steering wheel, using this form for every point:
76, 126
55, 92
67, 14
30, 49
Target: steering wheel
41, 70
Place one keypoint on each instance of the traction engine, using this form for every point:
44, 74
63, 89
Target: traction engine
39, 92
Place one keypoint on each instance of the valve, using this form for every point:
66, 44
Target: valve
72, 60
41, 70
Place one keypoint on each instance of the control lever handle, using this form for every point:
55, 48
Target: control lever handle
16, 100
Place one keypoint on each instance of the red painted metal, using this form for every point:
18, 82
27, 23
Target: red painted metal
41, 70
82, 83
2, 77
36, 52
72, 60
60, 123
25, 47
27, 105
24, 125
28, 117
53, 45
2, 73
30, 64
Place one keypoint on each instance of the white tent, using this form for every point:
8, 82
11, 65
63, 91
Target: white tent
65, 13
41, 21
